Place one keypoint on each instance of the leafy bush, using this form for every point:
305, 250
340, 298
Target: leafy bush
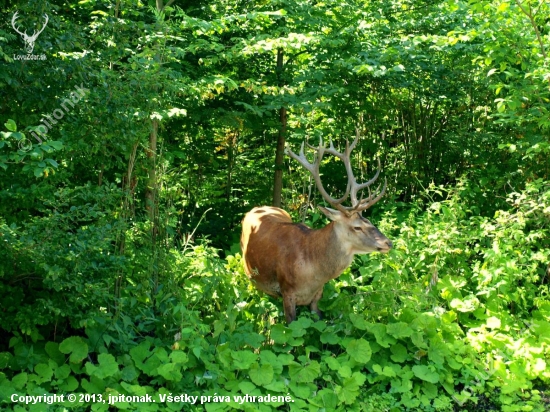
46, 281
456, 316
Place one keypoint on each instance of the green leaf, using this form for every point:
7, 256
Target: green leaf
306, 374
52, 162
327, 399
243, 359
134, 389
57, 145
465, 305
299, 326
418, 339
276, 386
62, 372
94, 385
107, 366
246, 387
157, 359
20, 380
270, 358
69, 385
76, 347
224, 355
359, 321
399, 353
349, 390
129, 373
5, 358
399, 330
359, 350
382, 338
344, 371
404, 385
285, 358
18, 136
44, 372
179, 357
429, 389
437, 351
170, 372
140, 353
410, 401
261, 375
386, 371
302, 390
332, 363
52, 349
425, 373
10, 125
280, 334
328, 336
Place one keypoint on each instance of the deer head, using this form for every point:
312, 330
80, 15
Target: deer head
29, 40
361, 235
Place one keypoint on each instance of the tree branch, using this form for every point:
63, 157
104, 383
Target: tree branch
531, 17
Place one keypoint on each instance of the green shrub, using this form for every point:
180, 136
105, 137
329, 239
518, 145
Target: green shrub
456, 317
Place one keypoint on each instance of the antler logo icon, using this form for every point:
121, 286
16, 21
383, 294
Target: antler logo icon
29, 40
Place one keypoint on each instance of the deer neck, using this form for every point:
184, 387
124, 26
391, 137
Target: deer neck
332, 257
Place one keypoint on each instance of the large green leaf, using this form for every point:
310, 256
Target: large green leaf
359, 350
426, 373
304, 373
76, 346
261, 375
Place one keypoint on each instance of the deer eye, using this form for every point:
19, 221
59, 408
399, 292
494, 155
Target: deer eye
357, 227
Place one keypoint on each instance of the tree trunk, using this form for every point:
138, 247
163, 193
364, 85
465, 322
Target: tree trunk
279, 154
151, 190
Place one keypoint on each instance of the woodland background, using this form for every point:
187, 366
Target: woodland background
120, 268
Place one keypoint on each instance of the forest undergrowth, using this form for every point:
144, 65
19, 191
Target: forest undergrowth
456, 317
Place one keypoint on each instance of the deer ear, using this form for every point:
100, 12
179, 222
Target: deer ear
332, 214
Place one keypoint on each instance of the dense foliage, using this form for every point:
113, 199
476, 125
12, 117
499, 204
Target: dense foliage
131, 148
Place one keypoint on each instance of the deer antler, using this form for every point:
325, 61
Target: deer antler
313, 168
352, 187
13, 19
35, 35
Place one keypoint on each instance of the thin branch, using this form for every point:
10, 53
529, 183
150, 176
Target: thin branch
531, 17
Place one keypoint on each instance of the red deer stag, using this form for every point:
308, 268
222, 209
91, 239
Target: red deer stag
291, 260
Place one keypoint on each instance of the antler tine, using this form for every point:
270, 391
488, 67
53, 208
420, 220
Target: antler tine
368, 202
352, 187
300, 158
43, 27
360, 205
354, 143
13, 19
313, 168
371, 181
346, 158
